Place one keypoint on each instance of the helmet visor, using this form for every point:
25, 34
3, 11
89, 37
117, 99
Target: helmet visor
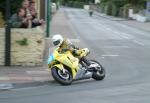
56, 42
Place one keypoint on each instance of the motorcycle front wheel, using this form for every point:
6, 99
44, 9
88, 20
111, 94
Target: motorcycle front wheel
61, 77
99, 74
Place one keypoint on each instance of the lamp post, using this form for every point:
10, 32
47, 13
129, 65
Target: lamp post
7, 35
48, 17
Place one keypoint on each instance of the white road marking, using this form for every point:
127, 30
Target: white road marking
123, 35
41, 78
120, 34
37, 72
116, 47
138, 42
110, 55
127, 35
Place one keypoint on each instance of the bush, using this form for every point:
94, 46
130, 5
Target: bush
121, 12
138, 8
114, 10
108, 8
125, 10
111, 9
70, 3
102, 7
119, 3
121, 7
77, 4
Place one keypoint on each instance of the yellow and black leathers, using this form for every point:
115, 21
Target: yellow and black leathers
68, 46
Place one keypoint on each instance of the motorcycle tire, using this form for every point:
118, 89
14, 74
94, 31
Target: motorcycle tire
98, 75
59, 78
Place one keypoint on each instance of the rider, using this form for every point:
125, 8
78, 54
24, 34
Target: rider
65, 45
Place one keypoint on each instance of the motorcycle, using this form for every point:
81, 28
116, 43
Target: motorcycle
65, 67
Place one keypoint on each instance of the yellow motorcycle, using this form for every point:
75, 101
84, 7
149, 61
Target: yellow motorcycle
65, 67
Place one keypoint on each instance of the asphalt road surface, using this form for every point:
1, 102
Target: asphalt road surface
122, 50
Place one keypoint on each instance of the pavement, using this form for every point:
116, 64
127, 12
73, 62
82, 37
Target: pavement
15, 76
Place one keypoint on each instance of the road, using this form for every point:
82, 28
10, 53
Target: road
122, 50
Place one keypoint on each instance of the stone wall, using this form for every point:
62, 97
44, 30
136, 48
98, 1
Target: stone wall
29, 52
2, 45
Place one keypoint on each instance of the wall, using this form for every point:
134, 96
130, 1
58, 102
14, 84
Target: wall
25, 55
2, 45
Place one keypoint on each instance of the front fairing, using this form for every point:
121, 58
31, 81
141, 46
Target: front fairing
51, 60
68, 60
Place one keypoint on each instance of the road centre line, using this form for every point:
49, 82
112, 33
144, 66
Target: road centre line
107, 47
37, 72
138, 42
123, 35
110, 55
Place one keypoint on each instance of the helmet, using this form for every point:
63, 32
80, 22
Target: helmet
57, 40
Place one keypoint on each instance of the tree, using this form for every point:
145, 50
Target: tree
15, 4
136, 2
1, 21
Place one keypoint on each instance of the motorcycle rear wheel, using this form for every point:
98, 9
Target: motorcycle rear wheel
100, 73
60, 77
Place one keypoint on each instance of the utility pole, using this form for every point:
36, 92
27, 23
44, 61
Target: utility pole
7, 35
48, 18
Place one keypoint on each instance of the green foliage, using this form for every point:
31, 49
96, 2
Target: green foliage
108, 8
125, 9
111, 8
136, 2
2, 22
15, 4
121, 7
2, 7
102, 6
114, 11
23, 42
104, 1
77, 4
121, 12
